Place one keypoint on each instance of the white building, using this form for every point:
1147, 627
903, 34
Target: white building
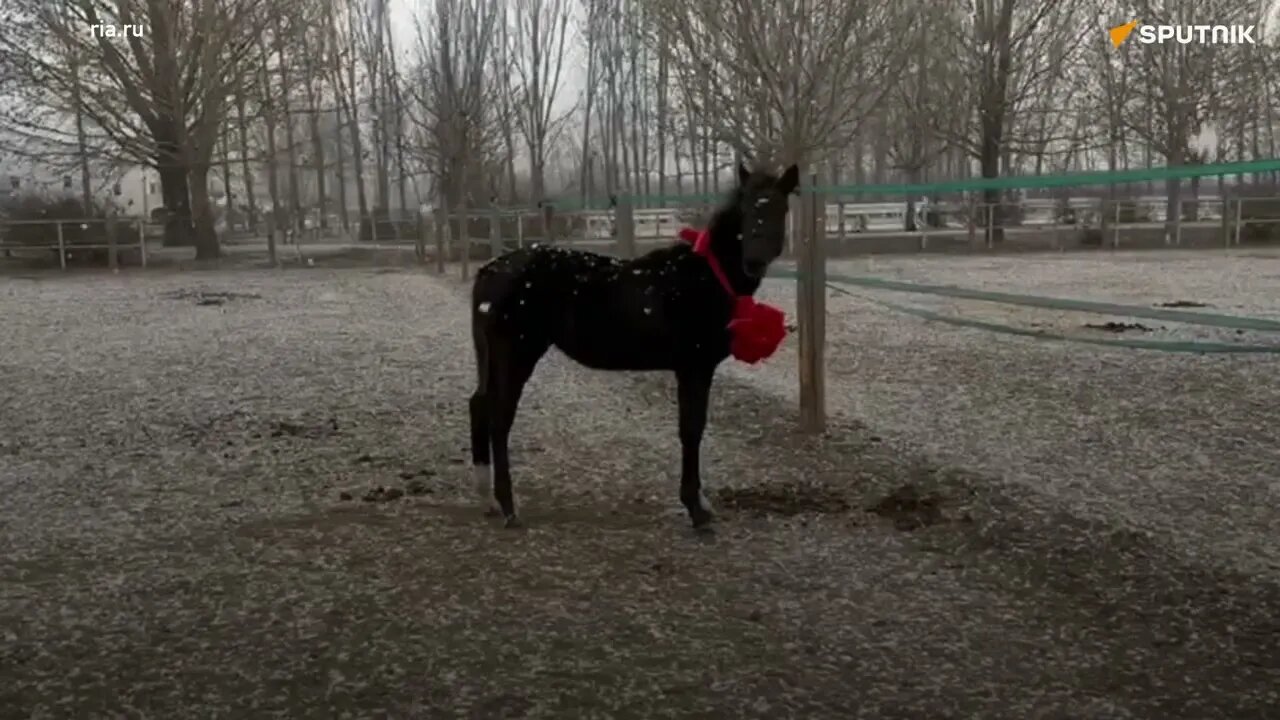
131, 189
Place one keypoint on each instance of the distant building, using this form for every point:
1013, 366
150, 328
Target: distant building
132, 190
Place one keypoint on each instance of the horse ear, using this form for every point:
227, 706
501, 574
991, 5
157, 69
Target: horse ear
743, 174
789, 180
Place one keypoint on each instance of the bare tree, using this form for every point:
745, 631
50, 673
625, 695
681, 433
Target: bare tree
540, 29
990, 48
453, 93
161, 97
776, 80
1177, 87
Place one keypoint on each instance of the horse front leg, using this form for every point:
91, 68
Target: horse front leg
694, 394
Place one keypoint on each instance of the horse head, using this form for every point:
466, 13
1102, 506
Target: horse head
762, 202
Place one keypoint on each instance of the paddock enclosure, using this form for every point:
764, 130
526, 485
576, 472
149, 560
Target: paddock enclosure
245, 492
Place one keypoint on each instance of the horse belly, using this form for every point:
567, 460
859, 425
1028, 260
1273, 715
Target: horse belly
613, 346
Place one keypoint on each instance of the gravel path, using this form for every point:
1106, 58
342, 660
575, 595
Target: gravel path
178, 543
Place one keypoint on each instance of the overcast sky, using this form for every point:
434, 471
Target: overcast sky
405, 14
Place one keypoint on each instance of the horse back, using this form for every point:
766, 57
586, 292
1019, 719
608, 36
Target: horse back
604, 313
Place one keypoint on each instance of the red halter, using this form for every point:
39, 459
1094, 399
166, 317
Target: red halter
757, 329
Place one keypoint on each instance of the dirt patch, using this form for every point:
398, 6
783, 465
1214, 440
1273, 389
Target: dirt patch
240, 426
1118, 327
910, 509
416, 487
209, 297
783, 500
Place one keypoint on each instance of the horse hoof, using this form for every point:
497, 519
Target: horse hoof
701, 519
512, 522
492, 512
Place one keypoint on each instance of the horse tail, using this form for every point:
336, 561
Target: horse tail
480, 339
479, 410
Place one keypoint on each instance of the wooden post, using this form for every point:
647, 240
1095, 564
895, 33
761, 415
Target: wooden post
971, 216
1177, 225
62, 247
1226, 215
920, 226
520, 228
420, 237
1239, 214
142, 239
495, 233
464, 238
625, 224
811, 309
548, 215
1054, 224
989, 209
1115, 238
113, 258
438, 224
1105, 226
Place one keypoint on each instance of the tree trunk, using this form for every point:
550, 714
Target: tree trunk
273, 175
592, 51
340, 168
206, 236
1173, 187
251, 199
175, 190
226, 179
989, 161
357, 151
313, 123
663, 121
86, 184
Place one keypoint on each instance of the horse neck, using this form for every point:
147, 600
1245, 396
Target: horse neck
726, 245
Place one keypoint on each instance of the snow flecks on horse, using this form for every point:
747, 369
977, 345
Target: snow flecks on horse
682, 308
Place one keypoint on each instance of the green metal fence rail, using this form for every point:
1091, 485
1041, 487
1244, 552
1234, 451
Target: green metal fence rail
1016, 182
1219, 320
1172, 346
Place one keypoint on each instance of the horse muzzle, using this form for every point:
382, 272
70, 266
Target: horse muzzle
755, 268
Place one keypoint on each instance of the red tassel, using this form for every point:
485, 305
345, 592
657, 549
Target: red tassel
757, 330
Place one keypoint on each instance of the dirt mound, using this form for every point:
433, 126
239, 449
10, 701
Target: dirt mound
909, 509
784, 500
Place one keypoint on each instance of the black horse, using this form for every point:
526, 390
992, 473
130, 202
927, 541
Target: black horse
666, 310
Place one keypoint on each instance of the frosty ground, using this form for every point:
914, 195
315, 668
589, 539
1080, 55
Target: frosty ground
992, 526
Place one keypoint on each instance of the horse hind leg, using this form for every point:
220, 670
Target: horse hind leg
482, 474
481, 469
510, 371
